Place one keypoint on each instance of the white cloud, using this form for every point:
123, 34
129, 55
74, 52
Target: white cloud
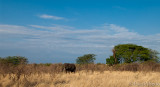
54, 27
66, 39
66, 35
13, 29
45, 16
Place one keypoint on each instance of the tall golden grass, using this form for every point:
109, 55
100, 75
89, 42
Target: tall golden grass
91, 75
84, 79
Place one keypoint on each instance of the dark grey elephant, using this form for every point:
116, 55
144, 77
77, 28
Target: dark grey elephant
67, 67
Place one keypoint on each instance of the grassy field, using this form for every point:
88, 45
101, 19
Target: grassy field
90, 75
84, 79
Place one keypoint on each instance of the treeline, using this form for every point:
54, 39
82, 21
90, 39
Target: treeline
126, 57
122, 54
13, 60
18, 67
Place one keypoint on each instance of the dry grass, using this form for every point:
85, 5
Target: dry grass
84, 79
91, 75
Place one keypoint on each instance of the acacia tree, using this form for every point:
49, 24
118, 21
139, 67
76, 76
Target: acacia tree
86, 59
128, 53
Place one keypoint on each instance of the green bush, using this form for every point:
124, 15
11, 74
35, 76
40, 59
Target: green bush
15, 60
86, 59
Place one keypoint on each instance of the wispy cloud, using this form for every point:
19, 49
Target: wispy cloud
45, 16
69, 40
78, 37
54, 27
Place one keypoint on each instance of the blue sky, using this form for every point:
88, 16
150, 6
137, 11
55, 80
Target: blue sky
61, 30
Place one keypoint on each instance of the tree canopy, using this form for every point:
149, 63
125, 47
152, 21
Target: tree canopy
128, 53
86, 59
15, 60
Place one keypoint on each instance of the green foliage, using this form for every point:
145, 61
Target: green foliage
86, 59
128, 53
15, 60
100, 63
46, 64
110, 61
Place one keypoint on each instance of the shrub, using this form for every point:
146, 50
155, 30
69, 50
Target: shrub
15, 60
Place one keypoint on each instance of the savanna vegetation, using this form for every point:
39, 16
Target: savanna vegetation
131, 53
129, 66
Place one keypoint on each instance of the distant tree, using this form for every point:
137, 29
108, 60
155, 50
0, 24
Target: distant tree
100, 63
110, 61
15, 60
86, 59
45, 64
128, 53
